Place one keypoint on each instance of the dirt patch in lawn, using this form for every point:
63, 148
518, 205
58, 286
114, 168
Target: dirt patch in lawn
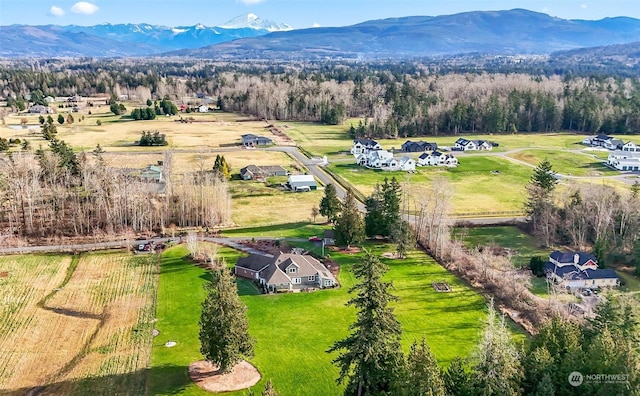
207, 376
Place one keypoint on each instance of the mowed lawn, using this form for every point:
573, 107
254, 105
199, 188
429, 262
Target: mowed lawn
566, 162
293, 331
480, 183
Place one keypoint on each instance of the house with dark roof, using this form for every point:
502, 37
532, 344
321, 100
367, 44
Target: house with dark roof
285, 272
254, 172
418, 147
363, 146
437, 158
602, 140
578, 270
463, 144
250, 140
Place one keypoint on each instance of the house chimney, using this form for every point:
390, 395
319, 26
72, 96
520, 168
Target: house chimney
576, 259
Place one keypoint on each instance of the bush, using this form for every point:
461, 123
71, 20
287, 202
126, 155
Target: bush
536, 265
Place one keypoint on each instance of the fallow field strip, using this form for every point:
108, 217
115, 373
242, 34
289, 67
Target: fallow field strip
78, 325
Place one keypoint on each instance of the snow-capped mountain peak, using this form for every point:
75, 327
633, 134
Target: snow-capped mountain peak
252, 21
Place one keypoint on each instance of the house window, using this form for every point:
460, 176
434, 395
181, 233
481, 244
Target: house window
291, 270
295, 281
312, 277
327, 283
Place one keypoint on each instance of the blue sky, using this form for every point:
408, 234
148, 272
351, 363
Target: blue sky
298, 13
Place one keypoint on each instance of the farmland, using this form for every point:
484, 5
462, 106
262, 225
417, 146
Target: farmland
451, 322
96, 309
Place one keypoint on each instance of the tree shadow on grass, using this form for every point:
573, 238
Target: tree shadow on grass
166, 379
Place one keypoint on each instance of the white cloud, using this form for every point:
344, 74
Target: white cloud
56, 11
250, 2
583, 6
315, 24
83, 7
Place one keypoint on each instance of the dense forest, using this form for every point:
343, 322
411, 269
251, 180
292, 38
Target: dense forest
400, 99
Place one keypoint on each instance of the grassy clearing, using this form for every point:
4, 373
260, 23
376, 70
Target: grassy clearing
294, 330
522, 245
299, 230
568, 163
209, 130
631, 282
99, 318
255, 204
481, 183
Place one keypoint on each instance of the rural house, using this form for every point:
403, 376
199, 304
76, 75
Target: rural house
152, 173
606, 141
363, 146
383, 159
630, 147
203, 109
577, 270
624, 160
40, 109
463, 144
285, 272
437, 159
251, 140
299, 183
418, 147
254, 172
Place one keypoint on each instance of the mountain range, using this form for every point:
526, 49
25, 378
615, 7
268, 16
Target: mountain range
512, 32
109, 40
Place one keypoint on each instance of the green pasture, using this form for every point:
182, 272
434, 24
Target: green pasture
255, 204
293, 331
566, 162
333, 140
480, 183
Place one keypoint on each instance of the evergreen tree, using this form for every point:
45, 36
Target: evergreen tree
41, 119
269, 390
497, 370
66, 157
374, 218
544, 176
349, 226
423, 376
224, 328
221, 168
330, 204
545, 386
370, 359
458, 378
60, 119
391, 191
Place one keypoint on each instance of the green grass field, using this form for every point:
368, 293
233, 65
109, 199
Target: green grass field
293, 331
481, 183
332, 140
565, 162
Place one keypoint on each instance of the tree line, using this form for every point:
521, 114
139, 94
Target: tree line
57, 192
407, 100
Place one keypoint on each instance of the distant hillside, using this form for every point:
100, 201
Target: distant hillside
514, 32
493, 32
107, 40
624, 54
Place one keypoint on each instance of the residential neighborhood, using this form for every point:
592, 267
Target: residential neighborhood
367, 153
